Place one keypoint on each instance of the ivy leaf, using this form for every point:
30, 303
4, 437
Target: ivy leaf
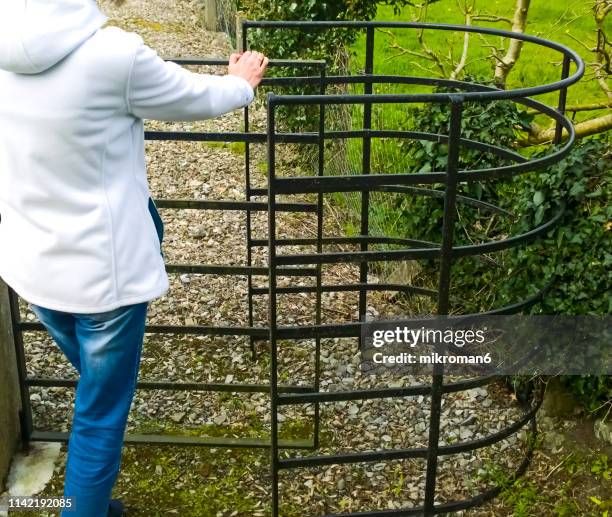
538, 198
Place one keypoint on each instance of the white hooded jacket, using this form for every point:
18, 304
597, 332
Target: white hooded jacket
75, 231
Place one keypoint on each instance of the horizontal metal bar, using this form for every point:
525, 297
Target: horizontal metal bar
350, 182
258, 332
203, 269
515, 308
251, 206
432, 137
198, 330
528, 91
467, 176
510, 242
457, 448
199, 136
323, 331
365, 394
179, 386
202, 441
273, 63
400, 454
357, 239
292, 81
347, 288
314, 331
419, 253
354, 330
470, 201
253, 138
487, 174
451, 506
381, 393
209, 269
312, 138
352, 457
401, 512
256, 191
359, 256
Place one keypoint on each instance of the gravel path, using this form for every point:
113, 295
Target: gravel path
203, 171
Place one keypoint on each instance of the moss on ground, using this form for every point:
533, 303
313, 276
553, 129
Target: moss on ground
580, 484
234, 147
141, 24
191, 482
202, 481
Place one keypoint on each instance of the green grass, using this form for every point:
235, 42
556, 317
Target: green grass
578, 485
563, 22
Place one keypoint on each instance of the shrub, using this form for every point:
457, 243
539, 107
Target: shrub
577, 256
327, 44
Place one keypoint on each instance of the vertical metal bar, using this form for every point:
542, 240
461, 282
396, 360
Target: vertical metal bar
562, 99
366, 164
25, 414
450, 198
320, 172
272, 305
249, 235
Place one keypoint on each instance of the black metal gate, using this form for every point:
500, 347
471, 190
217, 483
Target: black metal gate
310, 264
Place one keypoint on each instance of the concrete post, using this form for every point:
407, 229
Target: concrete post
9, 389
210, 15
239, 19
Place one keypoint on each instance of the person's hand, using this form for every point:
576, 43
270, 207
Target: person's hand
249, 65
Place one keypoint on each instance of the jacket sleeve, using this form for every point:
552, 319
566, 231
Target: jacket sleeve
161, 90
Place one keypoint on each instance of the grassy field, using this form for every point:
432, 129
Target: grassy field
567, 21
398, 215
399, 52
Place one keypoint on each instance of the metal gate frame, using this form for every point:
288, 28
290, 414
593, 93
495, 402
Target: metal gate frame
445, 252
310, 265
30, 434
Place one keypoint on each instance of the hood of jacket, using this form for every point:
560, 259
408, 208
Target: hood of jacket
37, 34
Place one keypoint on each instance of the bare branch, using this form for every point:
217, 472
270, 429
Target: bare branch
420, 38
603, 54
428, 70
491, 18
402, 51
494, 50
582, 43
580, 107
466, 41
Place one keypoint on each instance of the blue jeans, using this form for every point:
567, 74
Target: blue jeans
105, 349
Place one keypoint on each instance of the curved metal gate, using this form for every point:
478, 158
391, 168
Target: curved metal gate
309, 265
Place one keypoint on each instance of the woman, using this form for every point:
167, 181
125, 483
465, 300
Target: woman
79, 234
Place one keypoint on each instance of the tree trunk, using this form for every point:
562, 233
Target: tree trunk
586, 128
506, 63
